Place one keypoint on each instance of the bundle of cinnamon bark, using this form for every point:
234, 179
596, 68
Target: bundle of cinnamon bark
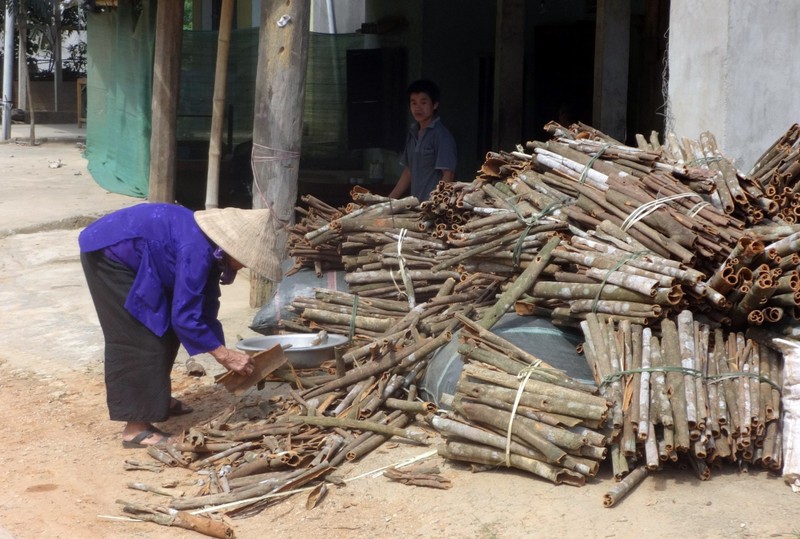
646, 233
694, 393
544, 423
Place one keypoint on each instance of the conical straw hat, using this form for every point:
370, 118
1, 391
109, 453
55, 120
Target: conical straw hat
249, 236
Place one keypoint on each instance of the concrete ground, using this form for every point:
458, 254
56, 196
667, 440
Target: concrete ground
67, 133
47, 184
61, 462
46, 197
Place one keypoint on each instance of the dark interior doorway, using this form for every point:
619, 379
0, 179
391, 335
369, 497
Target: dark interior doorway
562, 82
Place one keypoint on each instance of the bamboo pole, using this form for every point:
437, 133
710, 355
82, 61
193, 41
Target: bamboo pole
218, 108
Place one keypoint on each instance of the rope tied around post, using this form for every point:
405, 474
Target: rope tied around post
272, 154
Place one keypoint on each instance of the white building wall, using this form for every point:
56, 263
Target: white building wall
765, 74
348, 16
732, 72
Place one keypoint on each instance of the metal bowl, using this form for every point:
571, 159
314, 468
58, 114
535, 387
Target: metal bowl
302, 352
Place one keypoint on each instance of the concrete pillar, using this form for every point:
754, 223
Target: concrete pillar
731, 72
611, 53
8, 72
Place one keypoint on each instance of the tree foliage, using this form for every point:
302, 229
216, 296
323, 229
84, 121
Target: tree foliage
44, 33
187, 14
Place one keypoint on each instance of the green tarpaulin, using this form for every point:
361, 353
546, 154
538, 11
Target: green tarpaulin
119, 90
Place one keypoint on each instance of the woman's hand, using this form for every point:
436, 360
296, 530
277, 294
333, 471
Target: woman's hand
238, 362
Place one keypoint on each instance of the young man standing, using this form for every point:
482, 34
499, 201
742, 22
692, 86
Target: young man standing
430, 153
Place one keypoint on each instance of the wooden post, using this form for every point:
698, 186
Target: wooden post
611, 52
22, 62
651, 67
166, 86
218, 110
278, 115
509, 49
57, 68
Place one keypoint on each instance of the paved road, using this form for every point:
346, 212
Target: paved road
47, 321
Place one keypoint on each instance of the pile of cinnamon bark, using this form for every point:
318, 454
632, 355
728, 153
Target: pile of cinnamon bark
663, 255
646, 232
645, 235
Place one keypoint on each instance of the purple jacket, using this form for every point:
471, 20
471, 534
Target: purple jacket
177, 276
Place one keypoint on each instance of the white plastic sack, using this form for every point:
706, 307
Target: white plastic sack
267, 320
791, 409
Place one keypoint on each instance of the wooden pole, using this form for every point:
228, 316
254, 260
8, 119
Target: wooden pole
509, 49
57, 68
22, 61
612, 36
218, 111
166, 86
278, 116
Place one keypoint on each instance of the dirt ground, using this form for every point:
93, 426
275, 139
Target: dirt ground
61, 466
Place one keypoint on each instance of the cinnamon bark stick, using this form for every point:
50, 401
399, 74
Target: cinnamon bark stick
520, 285
624, 487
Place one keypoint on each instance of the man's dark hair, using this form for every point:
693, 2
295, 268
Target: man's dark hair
426, 87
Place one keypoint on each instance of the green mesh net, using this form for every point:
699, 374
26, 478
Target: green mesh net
119, 90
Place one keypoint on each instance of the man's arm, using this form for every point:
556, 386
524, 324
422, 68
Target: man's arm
402, 184
446, 155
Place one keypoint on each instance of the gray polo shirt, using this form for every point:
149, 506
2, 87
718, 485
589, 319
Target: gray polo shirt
427, 156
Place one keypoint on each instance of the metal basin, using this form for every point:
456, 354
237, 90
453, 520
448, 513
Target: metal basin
302, 352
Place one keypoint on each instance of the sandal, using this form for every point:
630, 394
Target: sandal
136, 441
179, 408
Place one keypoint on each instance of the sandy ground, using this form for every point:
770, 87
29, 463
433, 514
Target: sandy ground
61, 466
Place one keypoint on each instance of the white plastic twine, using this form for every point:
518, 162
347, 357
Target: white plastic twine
646, 209
523, 376
409, 285
697, 208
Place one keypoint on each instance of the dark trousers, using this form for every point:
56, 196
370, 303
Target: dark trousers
137, 361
